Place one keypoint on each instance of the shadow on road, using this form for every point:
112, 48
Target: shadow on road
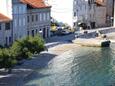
22, 71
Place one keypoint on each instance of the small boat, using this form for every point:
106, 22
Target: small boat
105, 43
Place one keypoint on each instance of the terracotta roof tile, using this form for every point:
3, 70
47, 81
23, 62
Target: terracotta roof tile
100, 2
35, 3
4, 18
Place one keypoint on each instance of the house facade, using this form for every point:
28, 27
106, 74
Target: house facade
83, 12
100, 13
90, 12
38, 21
5, 26
19, 24
5, 33
31, 18
28, 19
110, 12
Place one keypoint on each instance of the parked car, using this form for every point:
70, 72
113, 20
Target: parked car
62, 32
60, 28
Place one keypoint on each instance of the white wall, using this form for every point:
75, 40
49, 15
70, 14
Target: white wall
100, 16
81, 8
62, 10
6, 8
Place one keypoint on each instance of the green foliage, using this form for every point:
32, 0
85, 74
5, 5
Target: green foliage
35, 44
6, 58
26, 47
21, 49
1, 46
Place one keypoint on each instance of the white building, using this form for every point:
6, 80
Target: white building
19, 24
80, 12
28, 19
90, 12
5, 34
110, 12
5, 18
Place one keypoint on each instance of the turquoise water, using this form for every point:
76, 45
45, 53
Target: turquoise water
85, 66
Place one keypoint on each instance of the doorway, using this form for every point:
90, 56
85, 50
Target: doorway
44, 29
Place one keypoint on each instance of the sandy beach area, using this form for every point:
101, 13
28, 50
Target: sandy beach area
60, 49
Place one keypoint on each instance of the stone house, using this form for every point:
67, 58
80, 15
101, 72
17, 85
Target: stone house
110, 12
91, 12
5, 18
31, 18
28, 19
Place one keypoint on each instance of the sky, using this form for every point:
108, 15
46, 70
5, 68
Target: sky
62, 10
6, 8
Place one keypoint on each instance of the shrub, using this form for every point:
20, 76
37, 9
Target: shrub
1, 46
26, 47
6, 59
36, 44
21, 49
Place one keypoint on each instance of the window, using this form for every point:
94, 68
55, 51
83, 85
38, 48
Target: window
0, 27
40, 17
33, 33
15, 9
20, 23
28, 33
7, 26
74, 14
48, 16
15, 22
28, 20
36, 31
20, 9
44, 16
24, 9
24, 21
10, 39
32, 18
75, 2
74, 24
36, 17
6, 44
